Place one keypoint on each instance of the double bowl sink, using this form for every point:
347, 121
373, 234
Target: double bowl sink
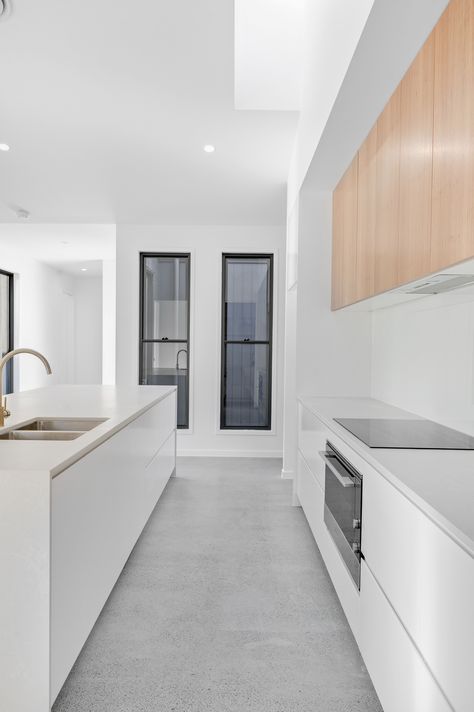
52, 429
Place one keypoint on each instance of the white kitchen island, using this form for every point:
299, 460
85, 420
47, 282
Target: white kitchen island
70, 513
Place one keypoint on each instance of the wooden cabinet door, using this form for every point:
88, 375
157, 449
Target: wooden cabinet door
453, 144
416, 166
366, 212
387, 211
344, 238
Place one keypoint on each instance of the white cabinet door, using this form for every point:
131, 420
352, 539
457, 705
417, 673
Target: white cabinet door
429, 581
400, 677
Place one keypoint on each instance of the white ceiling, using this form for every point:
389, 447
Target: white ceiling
268, 54
69, 248
106, 107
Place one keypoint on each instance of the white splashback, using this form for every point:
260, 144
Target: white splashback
423, 357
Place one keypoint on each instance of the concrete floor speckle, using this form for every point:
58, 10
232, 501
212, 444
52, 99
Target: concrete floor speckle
224, 606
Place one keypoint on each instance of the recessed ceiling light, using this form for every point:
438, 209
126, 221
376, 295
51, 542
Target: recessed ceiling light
209, 148
83, 269
4, 147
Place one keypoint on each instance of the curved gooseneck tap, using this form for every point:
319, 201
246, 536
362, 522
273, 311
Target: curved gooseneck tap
4, 413
177, 358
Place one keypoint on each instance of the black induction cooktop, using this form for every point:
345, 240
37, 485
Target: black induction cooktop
406, 434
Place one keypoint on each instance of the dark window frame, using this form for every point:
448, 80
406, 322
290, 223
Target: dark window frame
246, 255
142, 340
11, 330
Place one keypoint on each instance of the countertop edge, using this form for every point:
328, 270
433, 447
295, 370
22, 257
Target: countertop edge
90, 447
461, 539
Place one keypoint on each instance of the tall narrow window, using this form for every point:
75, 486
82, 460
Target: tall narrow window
164, 330
6, 326
246, 369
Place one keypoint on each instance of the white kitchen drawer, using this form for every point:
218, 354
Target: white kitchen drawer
155, 422
400, 677
429, 581
159, 470
312, 436
311, 498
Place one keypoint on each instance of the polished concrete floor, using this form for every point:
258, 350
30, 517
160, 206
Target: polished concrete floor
224, 606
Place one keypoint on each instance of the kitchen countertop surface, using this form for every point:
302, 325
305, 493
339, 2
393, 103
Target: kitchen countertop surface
119, 404
439, 482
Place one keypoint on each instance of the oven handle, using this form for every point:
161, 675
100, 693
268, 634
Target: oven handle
344, 481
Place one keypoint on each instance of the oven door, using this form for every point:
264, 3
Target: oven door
343, 508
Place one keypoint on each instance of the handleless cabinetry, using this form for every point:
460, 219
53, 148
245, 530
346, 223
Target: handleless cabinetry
429, 581
453, 160
415, 182
387, 196
416, 166
344, 238
366, 216
99, 506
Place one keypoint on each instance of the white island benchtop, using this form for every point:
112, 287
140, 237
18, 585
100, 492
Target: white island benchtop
118, 404
439, 482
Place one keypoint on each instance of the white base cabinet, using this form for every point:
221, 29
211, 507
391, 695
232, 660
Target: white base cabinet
400, 677
413, 618
98, 510
429, 580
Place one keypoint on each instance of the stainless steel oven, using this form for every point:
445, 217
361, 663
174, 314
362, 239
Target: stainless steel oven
343, 508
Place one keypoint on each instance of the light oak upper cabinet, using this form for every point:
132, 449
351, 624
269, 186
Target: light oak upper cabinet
344, 238
416, 166
387, 210
366, 202
453, 146
414, 185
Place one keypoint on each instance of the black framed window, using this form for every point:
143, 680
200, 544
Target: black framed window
164, 324
6, 326
247, 325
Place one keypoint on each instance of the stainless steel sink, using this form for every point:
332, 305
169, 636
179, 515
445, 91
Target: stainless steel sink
62, 424
52, 429
41, 435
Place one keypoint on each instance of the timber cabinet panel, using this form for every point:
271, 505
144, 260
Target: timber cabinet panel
345, 238
453, 146
416, 166
366, 191
387, 202
415, 182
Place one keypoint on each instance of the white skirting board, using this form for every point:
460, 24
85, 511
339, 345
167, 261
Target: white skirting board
276, 454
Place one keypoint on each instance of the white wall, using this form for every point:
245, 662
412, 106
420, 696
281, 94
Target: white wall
206, 245
109, 288
333, 348
423, 358
56, 314
87, 292
39, 317
332, 31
